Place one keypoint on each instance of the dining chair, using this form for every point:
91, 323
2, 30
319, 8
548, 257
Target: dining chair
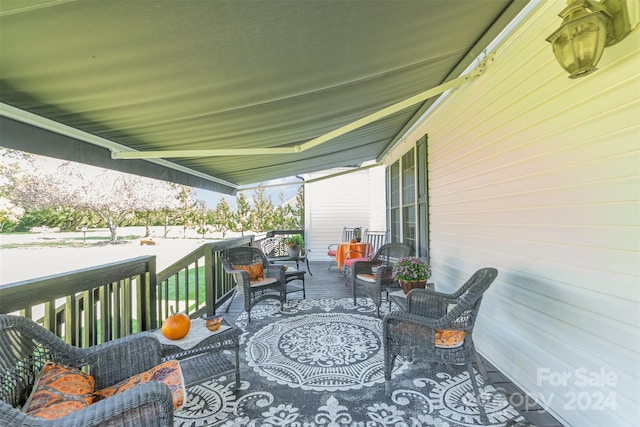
347, 235
371, 278
438, 327
373, 241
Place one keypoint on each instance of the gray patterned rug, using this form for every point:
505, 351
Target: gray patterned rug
320, 363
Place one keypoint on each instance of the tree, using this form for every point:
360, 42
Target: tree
9, 213
10, 166
112, 196
290, 214
263, 215
278, 215
222, 217
297, 210
200, 218
71, 196
164, 199
186, 212
242, 215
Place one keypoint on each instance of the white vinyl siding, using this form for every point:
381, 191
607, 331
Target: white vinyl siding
538, 175
353, 200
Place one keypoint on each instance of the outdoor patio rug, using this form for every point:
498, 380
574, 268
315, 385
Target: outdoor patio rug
320, 363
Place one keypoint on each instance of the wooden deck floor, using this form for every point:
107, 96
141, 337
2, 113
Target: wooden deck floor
330, 283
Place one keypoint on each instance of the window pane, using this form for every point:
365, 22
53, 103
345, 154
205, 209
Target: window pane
409, 225
395, 184
395, 225
423, 198
421, 170
408, 179
423, 249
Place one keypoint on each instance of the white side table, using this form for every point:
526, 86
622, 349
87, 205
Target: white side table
200, 352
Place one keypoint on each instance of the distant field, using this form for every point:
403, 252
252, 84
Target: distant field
67, 242
26, 256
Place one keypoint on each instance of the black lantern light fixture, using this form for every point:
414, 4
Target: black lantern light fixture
587, 27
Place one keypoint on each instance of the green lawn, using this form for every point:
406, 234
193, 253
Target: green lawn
179, 291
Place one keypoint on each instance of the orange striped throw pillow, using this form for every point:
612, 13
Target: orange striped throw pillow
59, 391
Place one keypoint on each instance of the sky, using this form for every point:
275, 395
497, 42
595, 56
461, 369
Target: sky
212, 198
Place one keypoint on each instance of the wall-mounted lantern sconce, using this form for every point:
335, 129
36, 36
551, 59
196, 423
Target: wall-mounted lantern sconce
587, 27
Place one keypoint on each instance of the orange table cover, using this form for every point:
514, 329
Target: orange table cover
345, 247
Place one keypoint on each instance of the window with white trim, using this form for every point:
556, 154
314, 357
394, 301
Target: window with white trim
408, 203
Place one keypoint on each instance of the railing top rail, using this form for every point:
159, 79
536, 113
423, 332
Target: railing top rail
27, 293
272, 233
42, 289
217, 245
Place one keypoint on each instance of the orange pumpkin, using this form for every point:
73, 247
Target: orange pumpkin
176, 326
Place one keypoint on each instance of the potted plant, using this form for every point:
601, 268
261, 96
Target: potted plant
294, 244
411, 272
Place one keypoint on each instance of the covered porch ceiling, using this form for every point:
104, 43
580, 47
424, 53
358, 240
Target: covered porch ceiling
254, 81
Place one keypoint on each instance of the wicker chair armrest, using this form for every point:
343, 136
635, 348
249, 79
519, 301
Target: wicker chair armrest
58, 350
435, 312
431, 293
417, 319
384, 276
275, 270
363, 267
458, 314
119, 359
425, 302
240, 276
417, 333
147, 404
228, 269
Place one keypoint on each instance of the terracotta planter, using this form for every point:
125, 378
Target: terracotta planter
407, 286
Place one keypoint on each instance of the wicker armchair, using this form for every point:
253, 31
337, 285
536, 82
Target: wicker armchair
24, 349
273, 288
276, 251
418, 332
374, 240
366, 282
